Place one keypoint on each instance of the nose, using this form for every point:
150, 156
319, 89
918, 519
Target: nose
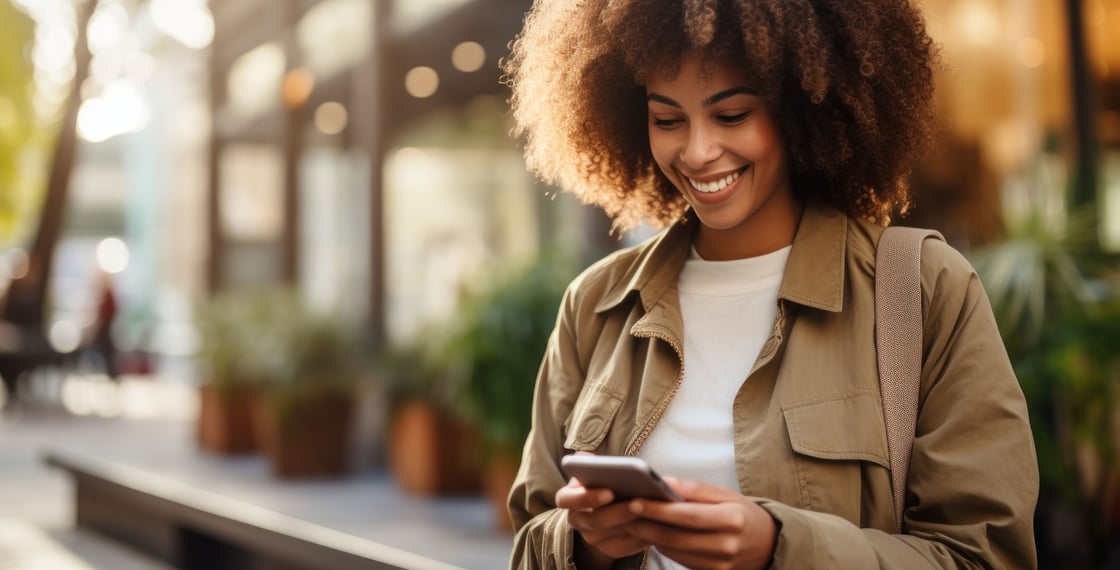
701, 148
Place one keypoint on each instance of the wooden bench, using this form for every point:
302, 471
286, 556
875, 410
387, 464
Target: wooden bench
191, 528
23, 349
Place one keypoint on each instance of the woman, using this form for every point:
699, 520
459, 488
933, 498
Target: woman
735, 351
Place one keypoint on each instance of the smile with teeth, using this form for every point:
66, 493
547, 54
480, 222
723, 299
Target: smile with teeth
715, 185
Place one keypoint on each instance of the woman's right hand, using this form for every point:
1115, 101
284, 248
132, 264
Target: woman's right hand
599, 524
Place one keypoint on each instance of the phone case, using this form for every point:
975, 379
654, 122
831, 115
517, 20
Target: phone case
628, 477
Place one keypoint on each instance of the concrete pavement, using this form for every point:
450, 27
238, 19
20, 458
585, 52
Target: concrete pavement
36, 501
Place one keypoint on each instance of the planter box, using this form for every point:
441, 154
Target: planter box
431, 453
312, 441
226, 421
501, 471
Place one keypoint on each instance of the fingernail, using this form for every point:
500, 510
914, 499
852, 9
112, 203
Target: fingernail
637, 507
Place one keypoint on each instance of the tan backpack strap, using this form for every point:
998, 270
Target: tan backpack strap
898, 343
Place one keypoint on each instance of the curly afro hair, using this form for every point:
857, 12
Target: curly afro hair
850, 83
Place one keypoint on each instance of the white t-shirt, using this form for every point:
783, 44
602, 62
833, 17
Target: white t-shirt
729, 309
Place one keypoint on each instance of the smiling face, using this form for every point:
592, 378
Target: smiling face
714, 138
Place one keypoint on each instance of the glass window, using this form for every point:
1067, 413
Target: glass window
255, 79
335, 34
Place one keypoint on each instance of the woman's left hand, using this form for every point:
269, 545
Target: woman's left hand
714, 527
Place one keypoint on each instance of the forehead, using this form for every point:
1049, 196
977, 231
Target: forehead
695, 72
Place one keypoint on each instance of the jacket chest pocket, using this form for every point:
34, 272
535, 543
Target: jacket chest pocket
840, 456
591, 418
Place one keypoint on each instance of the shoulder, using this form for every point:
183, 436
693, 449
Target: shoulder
945, 271
604, 278
939, 259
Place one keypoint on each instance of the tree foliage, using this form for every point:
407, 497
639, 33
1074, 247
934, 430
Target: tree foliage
18, 126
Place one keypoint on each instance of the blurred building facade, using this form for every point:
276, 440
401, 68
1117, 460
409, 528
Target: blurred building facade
361, 153
358, 150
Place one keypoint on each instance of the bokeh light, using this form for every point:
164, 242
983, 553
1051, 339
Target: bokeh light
331, 118
119, 109
468, 56
17, 263
112, 255
421, 82
188, 21
106, 27
65, 336
297, 87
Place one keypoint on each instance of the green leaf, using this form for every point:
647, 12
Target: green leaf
19, 131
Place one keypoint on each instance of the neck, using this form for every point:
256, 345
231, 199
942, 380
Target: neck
769, 229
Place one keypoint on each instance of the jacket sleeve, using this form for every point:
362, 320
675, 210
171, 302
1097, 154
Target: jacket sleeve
973, 479
544, 539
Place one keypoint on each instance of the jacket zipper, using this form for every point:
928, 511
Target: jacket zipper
775, 340
657, 412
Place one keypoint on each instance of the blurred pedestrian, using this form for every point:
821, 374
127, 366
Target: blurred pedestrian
99, 339
735, 351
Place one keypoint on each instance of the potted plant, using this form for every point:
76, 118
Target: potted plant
431, 447
306, 405
495, 350
233, 369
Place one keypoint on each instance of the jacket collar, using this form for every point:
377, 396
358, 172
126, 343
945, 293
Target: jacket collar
656, 268
815, 271
814, 274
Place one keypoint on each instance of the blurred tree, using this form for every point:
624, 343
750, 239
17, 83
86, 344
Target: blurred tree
17, 127
1084, 108
27, 295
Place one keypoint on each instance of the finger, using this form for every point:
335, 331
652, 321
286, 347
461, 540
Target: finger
608, 517
666, 537
578, 497
701, 492
752, 543
725, 517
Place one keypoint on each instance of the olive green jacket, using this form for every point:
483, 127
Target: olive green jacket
809, 431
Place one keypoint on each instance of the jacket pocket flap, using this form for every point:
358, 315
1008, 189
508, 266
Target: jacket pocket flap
847, 427
592, 417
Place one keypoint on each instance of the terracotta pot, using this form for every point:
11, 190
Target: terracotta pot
226, 419
311, 441
500, 472
432, 453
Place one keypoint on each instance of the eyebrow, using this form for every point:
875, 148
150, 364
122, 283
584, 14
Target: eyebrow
708, 101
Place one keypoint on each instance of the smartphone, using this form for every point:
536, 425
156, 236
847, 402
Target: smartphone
628, 477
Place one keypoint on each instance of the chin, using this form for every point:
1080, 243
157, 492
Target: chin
720, 222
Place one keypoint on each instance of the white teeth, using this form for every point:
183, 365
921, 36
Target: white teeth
715, 185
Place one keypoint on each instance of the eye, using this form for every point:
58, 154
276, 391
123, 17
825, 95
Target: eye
732, 118
667, 123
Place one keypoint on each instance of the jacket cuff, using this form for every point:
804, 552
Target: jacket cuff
809, 539
546, 541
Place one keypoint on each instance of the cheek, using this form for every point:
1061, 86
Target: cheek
760, 145
661, 148
767, 142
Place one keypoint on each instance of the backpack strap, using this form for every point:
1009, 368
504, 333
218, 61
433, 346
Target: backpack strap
898, 344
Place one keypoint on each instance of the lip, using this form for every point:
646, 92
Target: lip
714, 197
